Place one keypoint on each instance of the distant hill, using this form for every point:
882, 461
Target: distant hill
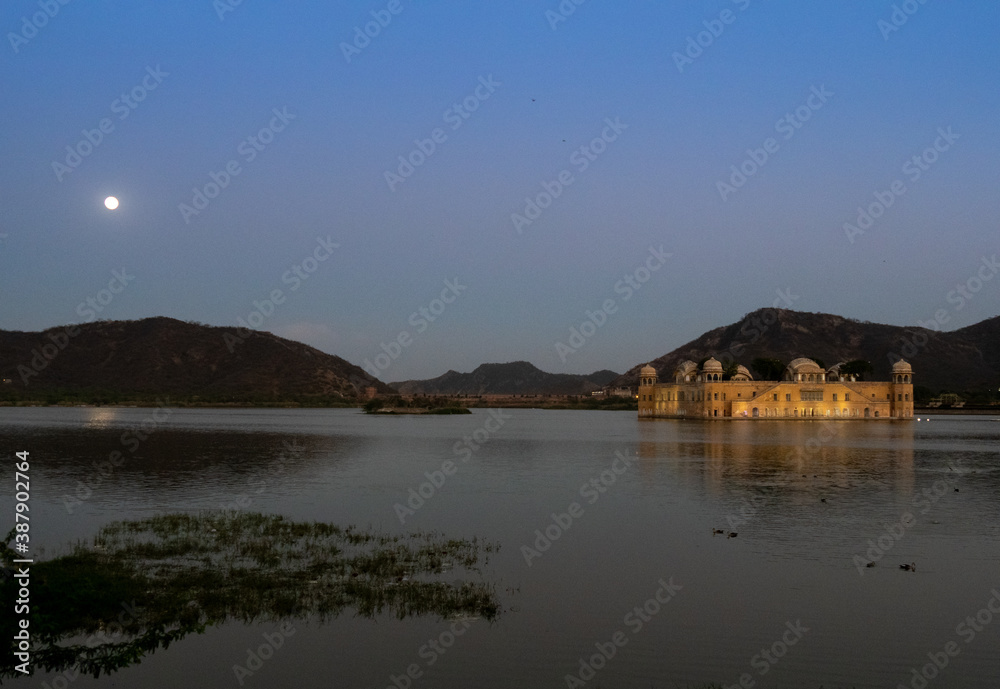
986, 336
515, 378
961, 360
167, 357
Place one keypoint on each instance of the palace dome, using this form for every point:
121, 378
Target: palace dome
685, 371
803, 365
712, 365
902, 366
647, 370
743, 371
686, 366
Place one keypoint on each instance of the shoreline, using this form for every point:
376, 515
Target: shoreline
498, 404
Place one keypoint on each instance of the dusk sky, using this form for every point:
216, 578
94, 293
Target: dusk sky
710, 152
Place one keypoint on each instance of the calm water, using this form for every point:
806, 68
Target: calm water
805, 498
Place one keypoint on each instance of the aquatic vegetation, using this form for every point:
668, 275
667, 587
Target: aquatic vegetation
450, 410
415, 405
178, 574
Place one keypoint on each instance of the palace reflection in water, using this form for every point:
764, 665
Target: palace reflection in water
786, 458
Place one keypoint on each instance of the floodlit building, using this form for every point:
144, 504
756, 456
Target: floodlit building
806, 391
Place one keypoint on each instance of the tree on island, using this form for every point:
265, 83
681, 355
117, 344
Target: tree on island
397, 404
373, 405
857, 367
768, 369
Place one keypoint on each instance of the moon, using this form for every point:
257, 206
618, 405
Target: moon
111, 203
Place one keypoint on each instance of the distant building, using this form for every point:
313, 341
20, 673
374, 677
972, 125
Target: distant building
806, 391
948, 399
619, 392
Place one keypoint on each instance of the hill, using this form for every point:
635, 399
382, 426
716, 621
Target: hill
959, 361
111, 360
514, 378
986, 336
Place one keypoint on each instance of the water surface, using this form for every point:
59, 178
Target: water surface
806, 499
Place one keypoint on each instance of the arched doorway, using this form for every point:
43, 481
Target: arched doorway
756, 413
868, 413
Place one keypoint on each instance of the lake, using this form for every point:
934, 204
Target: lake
608, 569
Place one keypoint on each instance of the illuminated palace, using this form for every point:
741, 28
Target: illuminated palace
806, 391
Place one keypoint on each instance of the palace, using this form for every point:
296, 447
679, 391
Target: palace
806, 391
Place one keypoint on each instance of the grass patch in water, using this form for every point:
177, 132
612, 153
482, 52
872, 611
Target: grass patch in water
176, 574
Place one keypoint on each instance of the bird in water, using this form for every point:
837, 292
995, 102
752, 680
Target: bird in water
716, 532
870, 564
912, 567
732, 534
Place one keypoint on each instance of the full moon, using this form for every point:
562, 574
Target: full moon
111, 203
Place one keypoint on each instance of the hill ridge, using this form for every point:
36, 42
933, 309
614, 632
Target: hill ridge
165, 356
510, 378
958, 360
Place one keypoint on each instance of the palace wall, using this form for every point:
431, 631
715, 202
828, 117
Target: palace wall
777, 399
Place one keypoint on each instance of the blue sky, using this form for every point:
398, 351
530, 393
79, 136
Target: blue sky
545, 95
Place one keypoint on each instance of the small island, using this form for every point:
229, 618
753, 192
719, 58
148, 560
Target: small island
416, 405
